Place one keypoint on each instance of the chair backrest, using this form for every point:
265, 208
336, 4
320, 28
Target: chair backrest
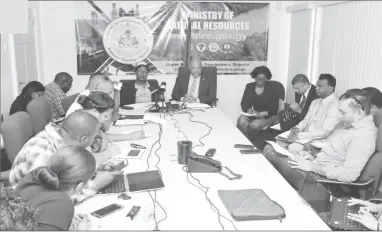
17, 129
68, 101
40, 112
373, 168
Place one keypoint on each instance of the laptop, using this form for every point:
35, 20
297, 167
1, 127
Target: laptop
322, 201
134, 182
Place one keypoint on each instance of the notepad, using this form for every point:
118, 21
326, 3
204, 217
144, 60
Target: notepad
141, 105
279, 149
248, 115
130, 122
284, 137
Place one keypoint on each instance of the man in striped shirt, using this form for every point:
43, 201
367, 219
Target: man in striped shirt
56, 92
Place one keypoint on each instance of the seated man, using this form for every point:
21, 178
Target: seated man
78, 129
197, 84
100, 82
139, 91
56, 92
375, 98
343, 155
304, 96
322, 117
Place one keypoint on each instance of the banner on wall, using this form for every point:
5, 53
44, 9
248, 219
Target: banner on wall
114, 37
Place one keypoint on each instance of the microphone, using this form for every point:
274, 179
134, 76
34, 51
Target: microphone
163, 86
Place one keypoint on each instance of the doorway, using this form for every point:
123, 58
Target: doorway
25, 54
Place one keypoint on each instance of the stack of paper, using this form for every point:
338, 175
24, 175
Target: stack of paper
197, 105
280, 149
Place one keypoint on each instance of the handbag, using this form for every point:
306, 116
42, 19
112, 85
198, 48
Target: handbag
251, 204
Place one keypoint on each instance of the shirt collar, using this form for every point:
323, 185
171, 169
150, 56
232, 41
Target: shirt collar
145, 86
52, 130
307, 92
198, 77
328, 99
363, 122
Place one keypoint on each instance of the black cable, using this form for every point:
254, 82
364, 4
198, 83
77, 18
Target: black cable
154, 199
178, 128
213, 207
207, 188
208, 133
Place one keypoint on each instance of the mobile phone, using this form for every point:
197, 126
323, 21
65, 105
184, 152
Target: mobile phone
127, 107
133, 153
106, 210
131, 117
211, 152
133, 212
244, 146
251, 151
119, 166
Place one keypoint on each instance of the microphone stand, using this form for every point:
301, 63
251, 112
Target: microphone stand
156, 108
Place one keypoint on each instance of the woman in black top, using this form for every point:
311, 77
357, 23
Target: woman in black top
49, 188
261, 100
32, 90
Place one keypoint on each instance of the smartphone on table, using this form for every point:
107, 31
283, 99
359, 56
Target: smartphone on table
107, 210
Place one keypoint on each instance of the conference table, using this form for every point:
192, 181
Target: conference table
182, 204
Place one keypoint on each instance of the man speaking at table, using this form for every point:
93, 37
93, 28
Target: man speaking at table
196, 83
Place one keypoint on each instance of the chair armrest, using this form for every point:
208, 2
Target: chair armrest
352, 184
4, 175
214, 102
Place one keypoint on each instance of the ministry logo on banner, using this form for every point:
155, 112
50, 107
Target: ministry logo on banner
128, 40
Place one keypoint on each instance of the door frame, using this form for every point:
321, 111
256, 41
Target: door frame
15, 80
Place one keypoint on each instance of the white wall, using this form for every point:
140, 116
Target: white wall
345, 40
58, 48
8, 89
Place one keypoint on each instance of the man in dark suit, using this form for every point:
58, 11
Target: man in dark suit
138, 91
304, 95
196, 84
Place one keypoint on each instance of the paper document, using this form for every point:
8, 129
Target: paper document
111, 151
129, 122
284, 136
197, 105
280, 149
132, 131
141, 105
276, 127
154, 119
248, 115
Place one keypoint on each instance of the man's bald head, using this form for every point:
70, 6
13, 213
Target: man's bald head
196, 66
79, 128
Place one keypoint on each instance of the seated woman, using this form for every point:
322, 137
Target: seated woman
49, 189
101, 105
13, 208
139, 91
32, 90
261, 100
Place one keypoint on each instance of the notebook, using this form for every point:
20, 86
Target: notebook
134, 182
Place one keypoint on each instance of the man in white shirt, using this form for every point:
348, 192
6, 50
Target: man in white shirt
322, 117
196, 84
